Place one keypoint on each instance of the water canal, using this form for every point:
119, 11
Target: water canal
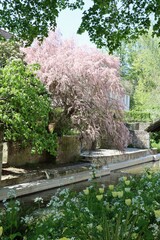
106, 180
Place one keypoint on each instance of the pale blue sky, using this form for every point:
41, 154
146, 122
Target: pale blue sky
68, 23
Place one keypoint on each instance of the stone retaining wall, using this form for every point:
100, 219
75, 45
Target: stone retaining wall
68, 149
139, 137
19, 156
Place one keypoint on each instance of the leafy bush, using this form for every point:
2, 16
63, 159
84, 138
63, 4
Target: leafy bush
25, 107
156, 145
129, 210
137, 116
155, 140
9, 49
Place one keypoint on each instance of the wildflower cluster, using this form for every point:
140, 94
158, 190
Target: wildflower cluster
128, 210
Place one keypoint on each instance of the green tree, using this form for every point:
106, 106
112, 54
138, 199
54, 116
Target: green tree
146, 66
24, 107
109, 22
112, 22
140, 71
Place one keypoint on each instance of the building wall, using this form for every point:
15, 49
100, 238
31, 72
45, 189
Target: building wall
126, 102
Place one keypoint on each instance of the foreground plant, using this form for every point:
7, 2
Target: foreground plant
129, 210
99, 213
10, 218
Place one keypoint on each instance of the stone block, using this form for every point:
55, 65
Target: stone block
143, 126
19, 156
133, 126
140, 139
68, 149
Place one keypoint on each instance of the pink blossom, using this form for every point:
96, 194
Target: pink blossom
85, 82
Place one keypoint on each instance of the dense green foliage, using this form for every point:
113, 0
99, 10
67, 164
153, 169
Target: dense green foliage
109, 23
128, 211
25, 107
32, 18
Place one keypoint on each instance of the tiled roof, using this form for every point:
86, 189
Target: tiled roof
5, 34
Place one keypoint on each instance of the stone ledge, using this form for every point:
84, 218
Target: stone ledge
103, 157
42, 185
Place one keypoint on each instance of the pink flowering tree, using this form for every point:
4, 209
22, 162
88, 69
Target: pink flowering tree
85, 84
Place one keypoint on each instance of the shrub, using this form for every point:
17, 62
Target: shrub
25, 107
9, 49
155, 140
137, 116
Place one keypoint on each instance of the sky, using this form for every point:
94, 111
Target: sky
68, 23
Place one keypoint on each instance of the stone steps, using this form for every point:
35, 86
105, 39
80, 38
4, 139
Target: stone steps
103, 157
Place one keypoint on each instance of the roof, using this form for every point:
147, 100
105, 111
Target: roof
5, 34
154, 127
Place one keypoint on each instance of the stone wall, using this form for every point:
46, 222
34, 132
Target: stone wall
139, 137
19, 156
68, 149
